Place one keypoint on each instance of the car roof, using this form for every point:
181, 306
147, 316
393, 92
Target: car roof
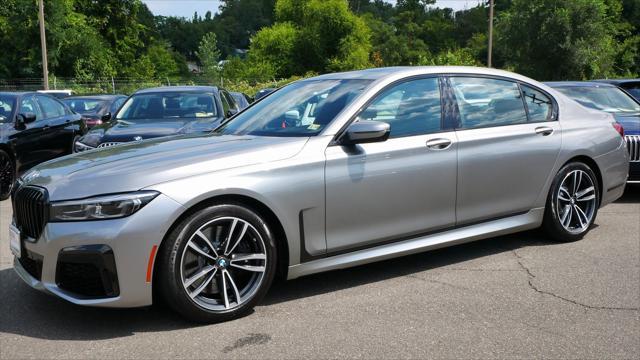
618, 81
178, 89
17, 93
381, 73
96, 97
582, 84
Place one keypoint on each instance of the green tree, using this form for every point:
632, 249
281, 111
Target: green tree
277, 45
558, 39
163, 60
320, 35
209, 55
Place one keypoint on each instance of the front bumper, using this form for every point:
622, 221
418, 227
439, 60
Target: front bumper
132, 241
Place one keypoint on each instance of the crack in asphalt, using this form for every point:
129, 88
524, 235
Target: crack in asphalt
437, 282
531, 276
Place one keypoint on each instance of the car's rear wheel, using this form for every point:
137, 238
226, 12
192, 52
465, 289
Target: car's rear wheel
572, 204
7, 175
217, 263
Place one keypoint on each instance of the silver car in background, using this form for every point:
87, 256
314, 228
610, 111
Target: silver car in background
326, 173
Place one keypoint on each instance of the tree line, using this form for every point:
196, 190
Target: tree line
269, 39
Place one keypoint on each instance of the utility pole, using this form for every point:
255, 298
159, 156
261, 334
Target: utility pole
490, 33
43, 43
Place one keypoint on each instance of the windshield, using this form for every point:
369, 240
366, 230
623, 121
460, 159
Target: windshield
7, 104
86, 106
303, 108
168, 105
609, 99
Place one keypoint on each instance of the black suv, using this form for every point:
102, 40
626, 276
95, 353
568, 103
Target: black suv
34, 127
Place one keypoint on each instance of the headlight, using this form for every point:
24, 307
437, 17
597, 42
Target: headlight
80, 147
101, 207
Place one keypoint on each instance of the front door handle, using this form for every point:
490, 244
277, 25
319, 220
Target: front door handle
46, 127
439, 144
544, 130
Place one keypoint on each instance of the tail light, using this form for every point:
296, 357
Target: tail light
618, 128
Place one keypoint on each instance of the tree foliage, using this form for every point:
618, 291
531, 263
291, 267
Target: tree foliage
208, 54
270, 39
560, 39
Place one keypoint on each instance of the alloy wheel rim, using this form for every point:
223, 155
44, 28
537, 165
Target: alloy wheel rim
576, 201
223, 264
6, 174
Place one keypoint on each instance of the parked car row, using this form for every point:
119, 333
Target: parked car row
36, 126
325, 173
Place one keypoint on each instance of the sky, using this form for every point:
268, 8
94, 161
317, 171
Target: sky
186, 8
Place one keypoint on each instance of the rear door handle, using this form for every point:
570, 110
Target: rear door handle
439, 144
544, 130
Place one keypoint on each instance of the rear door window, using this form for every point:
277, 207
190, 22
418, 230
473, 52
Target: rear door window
486, 102
51, 108
539, 105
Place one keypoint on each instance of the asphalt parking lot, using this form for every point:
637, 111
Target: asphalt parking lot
518, 296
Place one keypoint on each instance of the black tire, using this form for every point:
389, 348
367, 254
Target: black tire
76, 137
169, 276
7, 175
552, 219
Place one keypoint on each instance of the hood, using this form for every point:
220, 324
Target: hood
630, 123
134, 166
125, 131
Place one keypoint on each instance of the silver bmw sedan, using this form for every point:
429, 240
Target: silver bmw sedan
325, 173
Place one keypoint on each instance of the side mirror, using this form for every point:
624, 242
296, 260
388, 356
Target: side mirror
23, 119
365, 131
106, 117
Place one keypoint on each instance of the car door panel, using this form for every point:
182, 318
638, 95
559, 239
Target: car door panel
29, 148
507, 146
401, 187
58, 132
382, 191
502, 170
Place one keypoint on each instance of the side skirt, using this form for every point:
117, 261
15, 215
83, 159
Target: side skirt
529, 220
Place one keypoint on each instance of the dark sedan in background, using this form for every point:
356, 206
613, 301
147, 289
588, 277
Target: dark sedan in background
95, 109
34, 128
632, 86
162, 111
243, 100
262, 93
612, 99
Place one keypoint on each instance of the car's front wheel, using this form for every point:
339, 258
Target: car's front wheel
572, 203
73, 143
217, 263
